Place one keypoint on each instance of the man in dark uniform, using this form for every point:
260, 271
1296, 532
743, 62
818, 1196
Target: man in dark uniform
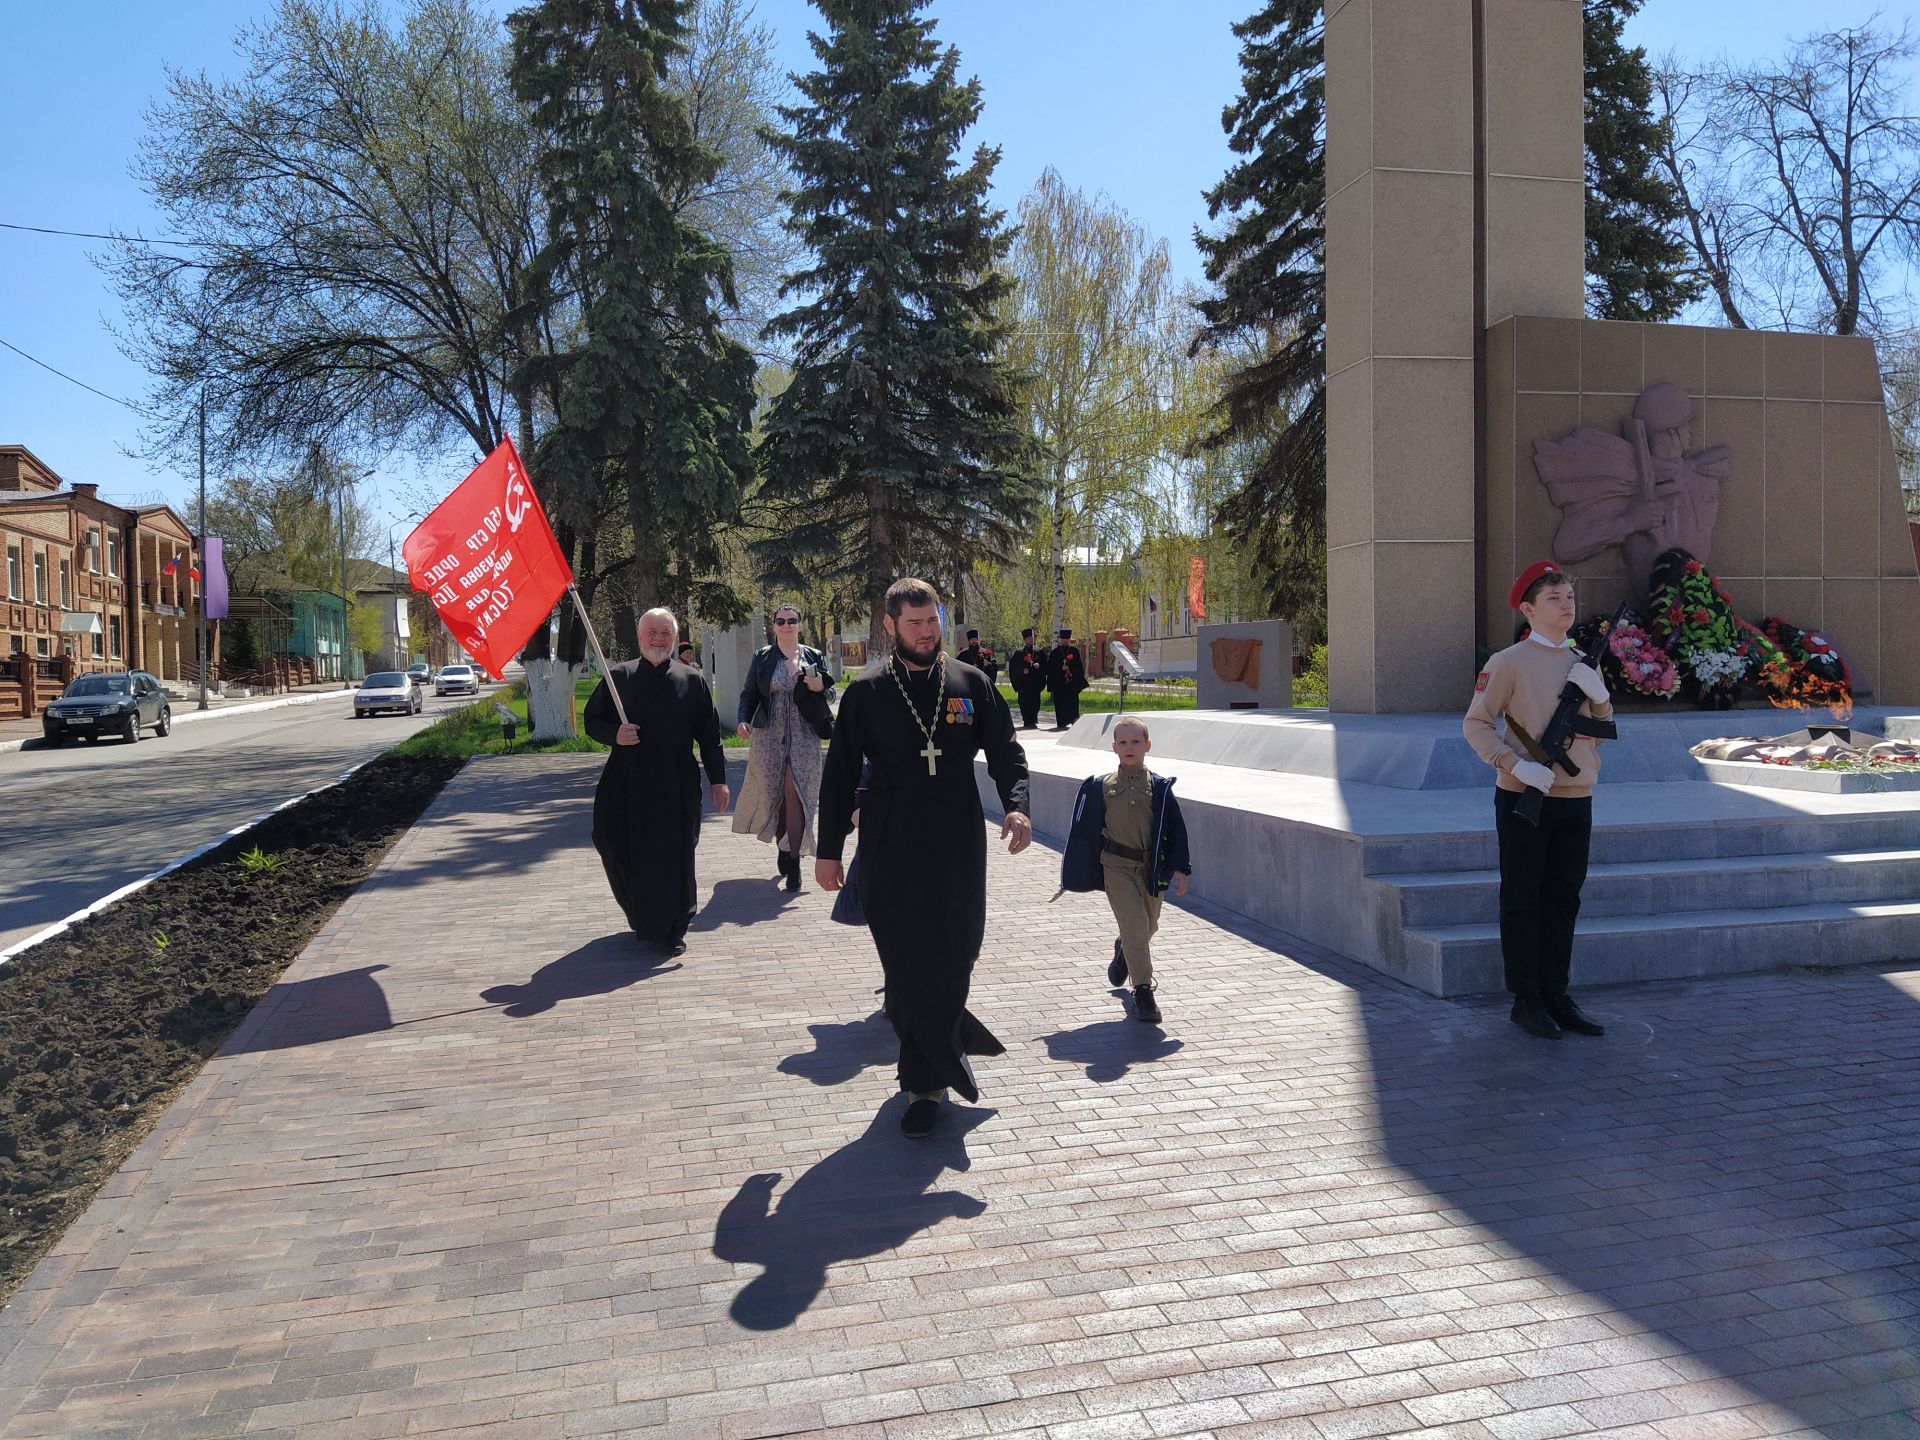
1066, 678
915, 722
980, 657
1027, 673
646, 810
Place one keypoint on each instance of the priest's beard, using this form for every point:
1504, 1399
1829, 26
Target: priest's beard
920, 659
656, 655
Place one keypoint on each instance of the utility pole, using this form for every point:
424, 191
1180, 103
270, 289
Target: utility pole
203, 547
393, 585
344, 679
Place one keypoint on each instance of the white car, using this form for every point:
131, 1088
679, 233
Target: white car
457, 680
386, 690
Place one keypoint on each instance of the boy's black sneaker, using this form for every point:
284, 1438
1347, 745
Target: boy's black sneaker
1117, 967
1145, 1008
920, 1119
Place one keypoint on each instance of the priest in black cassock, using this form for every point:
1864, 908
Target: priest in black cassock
917, 721
646, 811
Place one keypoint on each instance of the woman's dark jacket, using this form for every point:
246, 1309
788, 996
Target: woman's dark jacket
757, 693
1080, 867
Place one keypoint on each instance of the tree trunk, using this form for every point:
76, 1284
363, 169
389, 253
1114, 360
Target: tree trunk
1058, 570
550, 685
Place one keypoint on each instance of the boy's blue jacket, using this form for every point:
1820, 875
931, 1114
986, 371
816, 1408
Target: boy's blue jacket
1080, 865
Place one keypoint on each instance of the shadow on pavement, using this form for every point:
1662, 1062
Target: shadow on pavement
743, 902
868, 1197
841, 1052
323, 1009
599, 967
1109, 1048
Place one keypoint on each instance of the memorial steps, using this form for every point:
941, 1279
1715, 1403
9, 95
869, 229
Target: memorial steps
1378, 844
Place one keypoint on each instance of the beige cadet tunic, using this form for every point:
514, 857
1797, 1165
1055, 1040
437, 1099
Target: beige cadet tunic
1129, 883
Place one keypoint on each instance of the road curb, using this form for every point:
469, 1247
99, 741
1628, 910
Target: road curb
60, 927
245, 708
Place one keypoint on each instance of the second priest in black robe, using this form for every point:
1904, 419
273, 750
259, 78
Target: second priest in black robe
923, 848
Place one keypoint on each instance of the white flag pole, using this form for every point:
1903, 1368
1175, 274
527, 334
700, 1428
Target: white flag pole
606, 673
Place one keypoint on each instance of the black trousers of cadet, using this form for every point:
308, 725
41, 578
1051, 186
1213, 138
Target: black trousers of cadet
1066, 708
1541, 871
1029, 707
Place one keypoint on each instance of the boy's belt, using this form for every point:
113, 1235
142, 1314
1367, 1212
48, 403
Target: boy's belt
1125, 852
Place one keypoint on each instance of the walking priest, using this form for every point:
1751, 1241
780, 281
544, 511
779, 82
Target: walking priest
646, 811
916, 722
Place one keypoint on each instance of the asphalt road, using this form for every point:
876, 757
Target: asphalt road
78, 822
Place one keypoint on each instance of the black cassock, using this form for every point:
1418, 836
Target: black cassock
923, 849
646, 811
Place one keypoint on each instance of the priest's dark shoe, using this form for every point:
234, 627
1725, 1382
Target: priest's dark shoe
1532, 1017
1117, 967
920, 1119
1145, 1007
673, 945
1569, 1016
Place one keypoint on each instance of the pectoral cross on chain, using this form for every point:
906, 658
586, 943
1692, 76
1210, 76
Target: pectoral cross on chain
931, 755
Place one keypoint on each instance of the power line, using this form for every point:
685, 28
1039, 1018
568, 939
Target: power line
71, 381
97, 235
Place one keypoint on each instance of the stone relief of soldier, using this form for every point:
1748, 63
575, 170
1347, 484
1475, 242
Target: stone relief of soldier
1645, 492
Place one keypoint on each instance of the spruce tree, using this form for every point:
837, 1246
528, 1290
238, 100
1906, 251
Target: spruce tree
897, 445
655, 400
1637, 266
1267, 269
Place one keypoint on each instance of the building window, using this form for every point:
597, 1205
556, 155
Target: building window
13, 572
93, 551
113, 553
99, 645
40, 577
66, 583
40, 645
113, 635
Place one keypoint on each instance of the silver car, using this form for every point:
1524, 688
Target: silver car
457, 680
386, 690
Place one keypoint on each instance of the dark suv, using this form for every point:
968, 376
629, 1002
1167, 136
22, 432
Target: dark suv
108, 703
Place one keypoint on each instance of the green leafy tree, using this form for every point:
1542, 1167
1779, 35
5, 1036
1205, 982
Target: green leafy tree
655, 399
897, 445
1638, 267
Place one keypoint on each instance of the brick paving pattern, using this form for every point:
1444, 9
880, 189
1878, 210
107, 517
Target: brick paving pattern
477, 1167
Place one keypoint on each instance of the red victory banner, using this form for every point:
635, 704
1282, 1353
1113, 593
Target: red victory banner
1197, 587
488, 559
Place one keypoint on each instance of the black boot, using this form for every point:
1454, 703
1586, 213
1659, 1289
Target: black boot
1530, 1014
1117, 967
790, 867
1569, 1016
1145, 1007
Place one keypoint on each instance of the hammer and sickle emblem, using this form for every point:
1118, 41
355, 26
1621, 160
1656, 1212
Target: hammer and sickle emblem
517, 502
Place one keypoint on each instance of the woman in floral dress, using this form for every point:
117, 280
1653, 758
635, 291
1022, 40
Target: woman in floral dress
785, 712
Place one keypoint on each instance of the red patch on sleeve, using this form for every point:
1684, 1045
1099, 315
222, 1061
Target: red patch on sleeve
1480, 685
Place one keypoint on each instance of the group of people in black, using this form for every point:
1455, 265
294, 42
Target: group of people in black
1060, 670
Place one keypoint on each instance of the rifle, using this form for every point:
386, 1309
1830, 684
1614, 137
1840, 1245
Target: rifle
1551, 748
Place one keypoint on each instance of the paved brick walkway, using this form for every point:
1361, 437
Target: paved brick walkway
518, 1183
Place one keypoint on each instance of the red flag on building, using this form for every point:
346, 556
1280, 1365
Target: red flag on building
1197, 587
487, 558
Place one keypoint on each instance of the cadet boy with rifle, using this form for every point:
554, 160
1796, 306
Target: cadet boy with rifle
1543, 796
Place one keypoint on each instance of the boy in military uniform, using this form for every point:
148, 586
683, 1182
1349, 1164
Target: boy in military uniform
1128, 839
1543, 866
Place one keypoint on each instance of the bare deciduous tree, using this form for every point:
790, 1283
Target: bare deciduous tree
1801, 181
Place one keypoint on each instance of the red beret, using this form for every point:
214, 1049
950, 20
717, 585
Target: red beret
1527, 576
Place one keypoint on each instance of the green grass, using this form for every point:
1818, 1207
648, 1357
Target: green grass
1099, 702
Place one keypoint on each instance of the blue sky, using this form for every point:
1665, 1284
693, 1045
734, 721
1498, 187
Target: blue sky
1105, 91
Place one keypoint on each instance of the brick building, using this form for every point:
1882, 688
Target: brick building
86, 587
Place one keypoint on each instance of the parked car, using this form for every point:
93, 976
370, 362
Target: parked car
107, 703
386, 690
457, 680
419, 672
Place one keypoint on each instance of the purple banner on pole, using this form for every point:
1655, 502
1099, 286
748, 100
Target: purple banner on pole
213, 563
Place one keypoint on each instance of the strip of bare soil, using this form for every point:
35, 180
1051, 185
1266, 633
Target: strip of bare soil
102, 1026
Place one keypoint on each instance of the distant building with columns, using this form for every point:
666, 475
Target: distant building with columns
86, 585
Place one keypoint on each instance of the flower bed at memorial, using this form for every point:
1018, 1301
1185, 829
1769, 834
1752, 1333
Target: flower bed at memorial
103, 1025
